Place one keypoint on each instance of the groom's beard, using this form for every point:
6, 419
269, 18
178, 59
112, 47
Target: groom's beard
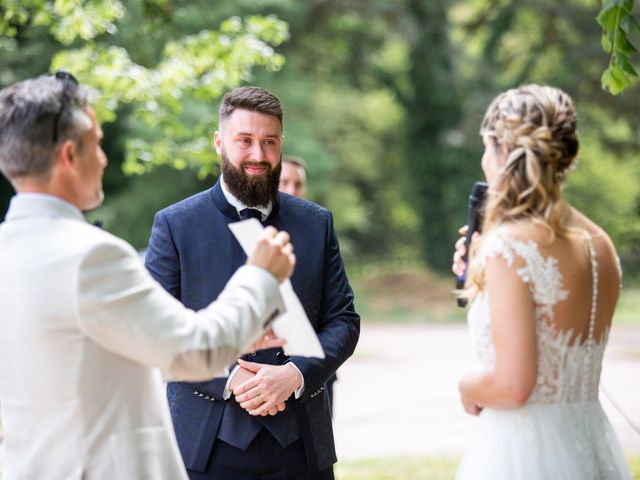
252, 190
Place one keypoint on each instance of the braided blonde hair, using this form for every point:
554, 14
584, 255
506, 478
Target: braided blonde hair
537, 125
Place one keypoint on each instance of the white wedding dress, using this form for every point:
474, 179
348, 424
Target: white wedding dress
561, 432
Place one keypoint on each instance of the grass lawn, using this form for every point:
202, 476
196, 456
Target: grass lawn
405, 295
417, 468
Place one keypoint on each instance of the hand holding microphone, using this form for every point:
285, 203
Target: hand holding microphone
474, 224
459, 258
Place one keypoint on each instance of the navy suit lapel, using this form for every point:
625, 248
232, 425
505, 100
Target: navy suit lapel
227, 255
220, 201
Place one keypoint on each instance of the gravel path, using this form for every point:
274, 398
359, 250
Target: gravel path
398, 394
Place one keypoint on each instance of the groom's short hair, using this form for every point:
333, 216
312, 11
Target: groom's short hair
254, 99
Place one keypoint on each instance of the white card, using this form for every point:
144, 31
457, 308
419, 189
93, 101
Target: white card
293, 325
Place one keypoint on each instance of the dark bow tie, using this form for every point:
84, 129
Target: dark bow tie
250, 213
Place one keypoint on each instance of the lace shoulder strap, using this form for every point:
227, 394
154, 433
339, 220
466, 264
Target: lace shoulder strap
541, 274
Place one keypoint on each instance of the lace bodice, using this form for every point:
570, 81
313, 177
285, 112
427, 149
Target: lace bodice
568, 370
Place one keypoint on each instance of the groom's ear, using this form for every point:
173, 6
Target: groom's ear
66, 154
217, 142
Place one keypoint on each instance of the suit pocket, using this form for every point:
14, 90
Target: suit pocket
146, 453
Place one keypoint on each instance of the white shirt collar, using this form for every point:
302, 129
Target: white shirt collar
45, 196
29, 204
238, 205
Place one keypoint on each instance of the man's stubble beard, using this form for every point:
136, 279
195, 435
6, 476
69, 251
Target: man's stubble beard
252, 190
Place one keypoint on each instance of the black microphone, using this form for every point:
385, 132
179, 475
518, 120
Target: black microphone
474, 222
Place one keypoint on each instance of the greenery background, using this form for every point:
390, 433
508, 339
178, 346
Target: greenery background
383, 98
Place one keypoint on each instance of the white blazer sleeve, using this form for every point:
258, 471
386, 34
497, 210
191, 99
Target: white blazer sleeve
124, 310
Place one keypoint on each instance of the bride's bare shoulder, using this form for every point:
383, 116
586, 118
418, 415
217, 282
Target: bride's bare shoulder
534, 230
579, 221
527, 230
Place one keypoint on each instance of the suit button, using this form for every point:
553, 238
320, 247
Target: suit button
206, 397
195, 392
201, 394
253, 354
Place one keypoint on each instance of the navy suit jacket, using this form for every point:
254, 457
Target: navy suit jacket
192, 253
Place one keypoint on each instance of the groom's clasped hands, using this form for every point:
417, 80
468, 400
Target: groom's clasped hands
262, 389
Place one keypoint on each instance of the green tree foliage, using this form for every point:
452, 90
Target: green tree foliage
158, 68
67, 20
382, 98
349, 126
373, 83
618, 27
163, 99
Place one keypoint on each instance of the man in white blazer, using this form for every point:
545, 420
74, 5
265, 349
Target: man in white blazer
85, 332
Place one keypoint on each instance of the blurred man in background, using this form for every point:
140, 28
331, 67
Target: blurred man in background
293, 178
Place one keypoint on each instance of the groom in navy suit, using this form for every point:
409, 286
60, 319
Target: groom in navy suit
271, 417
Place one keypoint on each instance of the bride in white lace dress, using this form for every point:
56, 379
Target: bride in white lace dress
543, 283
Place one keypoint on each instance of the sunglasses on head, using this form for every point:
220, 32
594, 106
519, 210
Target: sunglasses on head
67, 80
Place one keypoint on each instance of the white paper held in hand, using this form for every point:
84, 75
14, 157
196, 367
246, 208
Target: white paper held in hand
293, 325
